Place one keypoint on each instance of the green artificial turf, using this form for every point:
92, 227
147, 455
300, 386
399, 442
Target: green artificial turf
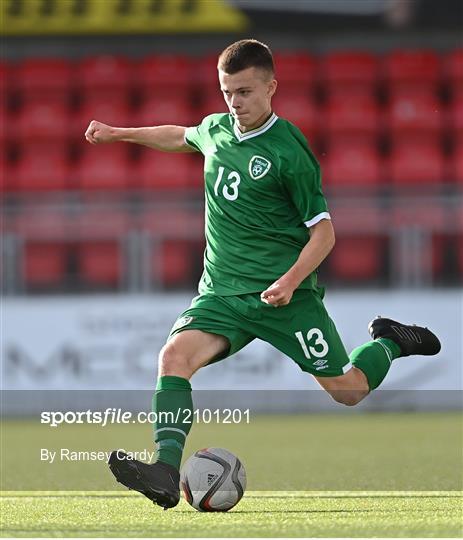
321, 475
259, 514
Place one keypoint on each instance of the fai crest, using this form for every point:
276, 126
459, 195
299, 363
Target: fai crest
259, 167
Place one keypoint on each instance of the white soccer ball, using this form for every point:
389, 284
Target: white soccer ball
213, 480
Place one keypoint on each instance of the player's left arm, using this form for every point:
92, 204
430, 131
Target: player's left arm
321, 242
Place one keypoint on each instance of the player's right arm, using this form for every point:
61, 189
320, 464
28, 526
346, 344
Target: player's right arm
164, 138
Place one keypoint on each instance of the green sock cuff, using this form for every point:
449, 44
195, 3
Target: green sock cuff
172, 382
374, 360
392, 346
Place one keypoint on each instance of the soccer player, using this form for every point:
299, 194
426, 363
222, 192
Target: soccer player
267, 230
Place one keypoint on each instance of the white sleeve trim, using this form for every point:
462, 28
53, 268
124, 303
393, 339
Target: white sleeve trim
187, 143
316, 219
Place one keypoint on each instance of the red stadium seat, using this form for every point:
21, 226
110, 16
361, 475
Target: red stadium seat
39, 122
412, 69
196, 174
350, 165
419, 115
5, 81
45, 80
180, 251
44, 264
114, 113
5, 125
104, 76
350, 72
456, 116
164, 171
214, 103
457, 169
356, 116
453, 66
41, 171
168, 110
5, 173
173, 264
100, 263
173, 223
460, 256
295, 70
165, 75
103, 168
206, 75
357, 258
94, 223
300, 110
416, 163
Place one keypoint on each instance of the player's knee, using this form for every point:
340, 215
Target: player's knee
173, 361
348, 397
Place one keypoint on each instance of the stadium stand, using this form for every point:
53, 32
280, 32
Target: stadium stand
375, 122
350, 164
350, 73
44, 80
300, 109
44, 264
40, 171
103, 168
355, 116
100, 263
105, 76
162, 76
296, 71
412, 70
416, 163
160, 171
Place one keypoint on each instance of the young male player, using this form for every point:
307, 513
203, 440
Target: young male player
267, 231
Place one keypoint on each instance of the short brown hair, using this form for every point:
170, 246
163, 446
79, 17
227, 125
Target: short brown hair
244, 54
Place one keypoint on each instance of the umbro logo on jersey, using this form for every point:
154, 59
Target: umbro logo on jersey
183, 321
259, 167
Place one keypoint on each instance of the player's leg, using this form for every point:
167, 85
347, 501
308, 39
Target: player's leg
203, 334
304, 331
348, 389
372, 360
172, 404
184, 354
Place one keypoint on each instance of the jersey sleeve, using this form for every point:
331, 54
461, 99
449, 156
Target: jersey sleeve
302, 180
197, 136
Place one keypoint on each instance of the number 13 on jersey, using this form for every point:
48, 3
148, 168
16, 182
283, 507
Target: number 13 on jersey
230, 192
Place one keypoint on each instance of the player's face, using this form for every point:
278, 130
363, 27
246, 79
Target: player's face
248, 95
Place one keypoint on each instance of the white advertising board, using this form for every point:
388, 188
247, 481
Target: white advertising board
111, 342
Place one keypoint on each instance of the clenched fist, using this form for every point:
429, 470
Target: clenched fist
98, 133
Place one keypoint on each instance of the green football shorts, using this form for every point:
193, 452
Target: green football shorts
301, 330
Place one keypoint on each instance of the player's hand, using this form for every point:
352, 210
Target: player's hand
279, 293
98, 133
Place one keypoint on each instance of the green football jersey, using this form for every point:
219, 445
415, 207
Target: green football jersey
262, 192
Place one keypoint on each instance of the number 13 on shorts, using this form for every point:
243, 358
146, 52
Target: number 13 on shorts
320, 347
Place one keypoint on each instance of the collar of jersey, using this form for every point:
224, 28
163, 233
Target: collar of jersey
254, 132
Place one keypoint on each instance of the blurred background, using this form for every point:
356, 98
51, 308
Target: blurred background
102, 246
